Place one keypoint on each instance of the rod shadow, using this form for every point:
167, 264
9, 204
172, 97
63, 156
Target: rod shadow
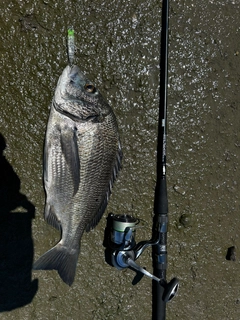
16, 245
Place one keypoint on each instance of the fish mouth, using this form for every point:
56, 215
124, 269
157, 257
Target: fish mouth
69, 75
74, 70
72, 79
74, 73
77, 77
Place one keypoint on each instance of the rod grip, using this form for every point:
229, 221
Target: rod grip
161, 200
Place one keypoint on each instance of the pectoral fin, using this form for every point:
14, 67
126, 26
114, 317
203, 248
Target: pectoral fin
70, 151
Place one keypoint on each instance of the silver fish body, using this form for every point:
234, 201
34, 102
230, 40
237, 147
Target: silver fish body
82, 156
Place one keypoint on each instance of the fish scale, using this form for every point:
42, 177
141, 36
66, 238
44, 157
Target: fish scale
82, 156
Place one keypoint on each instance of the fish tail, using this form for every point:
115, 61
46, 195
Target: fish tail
61, 259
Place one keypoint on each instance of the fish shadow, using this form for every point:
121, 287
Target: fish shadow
16, 244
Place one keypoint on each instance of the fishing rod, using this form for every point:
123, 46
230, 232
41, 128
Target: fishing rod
160, 221
123, 248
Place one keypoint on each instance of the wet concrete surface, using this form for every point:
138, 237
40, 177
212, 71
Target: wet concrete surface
118, 46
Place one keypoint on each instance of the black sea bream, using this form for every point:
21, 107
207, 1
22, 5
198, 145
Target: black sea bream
82, 156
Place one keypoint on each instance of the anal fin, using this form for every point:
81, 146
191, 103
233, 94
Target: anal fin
51, 217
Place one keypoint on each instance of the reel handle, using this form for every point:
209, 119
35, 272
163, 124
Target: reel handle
126, 259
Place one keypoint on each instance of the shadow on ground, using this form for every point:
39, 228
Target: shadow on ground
16, 244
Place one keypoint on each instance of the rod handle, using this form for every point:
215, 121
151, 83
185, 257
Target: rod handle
161, 200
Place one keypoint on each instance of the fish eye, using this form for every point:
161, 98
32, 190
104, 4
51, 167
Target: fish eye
90, 88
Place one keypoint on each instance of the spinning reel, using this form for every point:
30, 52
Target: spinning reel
124, 251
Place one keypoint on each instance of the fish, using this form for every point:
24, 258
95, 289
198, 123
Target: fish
82, 158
